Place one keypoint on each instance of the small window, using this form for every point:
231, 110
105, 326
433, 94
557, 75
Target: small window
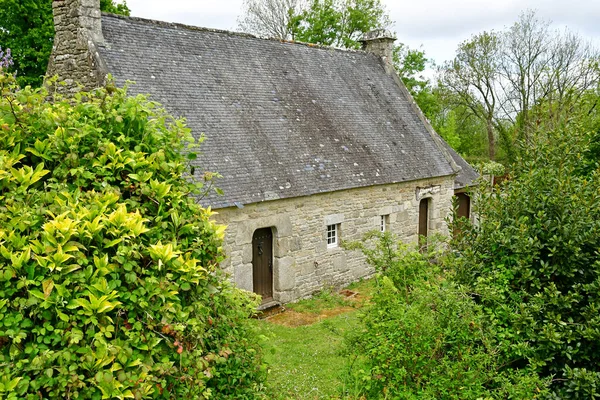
383, 225
332, 235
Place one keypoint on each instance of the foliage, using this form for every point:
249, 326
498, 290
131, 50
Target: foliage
472, 75
424, 337
533, 261
109, 278
339, 23
111, 6
268, 18
27, 28
491, 168
519, 79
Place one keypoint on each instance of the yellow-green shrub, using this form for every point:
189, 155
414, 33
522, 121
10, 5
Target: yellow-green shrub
109, 279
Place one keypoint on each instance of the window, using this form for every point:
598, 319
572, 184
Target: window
332, 235
383, 225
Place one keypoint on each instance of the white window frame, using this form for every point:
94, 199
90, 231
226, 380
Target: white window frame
333, 234
383, 223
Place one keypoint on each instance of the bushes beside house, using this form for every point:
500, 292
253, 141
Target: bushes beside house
425, 338
109, 279
513, 305
534, 265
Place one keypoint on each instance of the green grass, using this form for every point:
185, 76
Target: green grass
329, 299
306, 362
325, 300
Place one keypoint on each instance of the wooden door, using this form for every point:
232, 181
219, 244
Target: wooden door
464, 205
423, 217
262, 263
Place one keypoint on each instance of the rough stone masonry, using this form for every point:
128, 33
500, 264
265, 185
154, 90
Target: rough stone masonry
309, 140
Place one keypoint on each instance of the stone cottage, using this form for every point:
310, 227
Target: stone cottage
315, 145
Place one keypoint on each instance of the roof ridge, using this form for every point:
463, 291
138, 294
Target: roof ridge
234, 33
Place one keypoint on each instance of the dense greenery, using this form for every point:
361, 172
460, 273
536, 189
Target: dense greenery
533, 261
109, 278
339, 23
27, 28
425, 338
516, 302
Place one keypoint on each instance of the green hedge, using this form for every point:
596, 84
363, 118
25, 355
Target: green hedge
109, 278
534, 262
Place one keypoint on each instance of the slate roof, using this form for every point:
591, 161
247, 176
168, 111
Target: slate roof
282, 120
467, 175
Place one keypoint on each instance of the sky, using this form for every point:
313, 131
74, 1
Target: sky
434, 26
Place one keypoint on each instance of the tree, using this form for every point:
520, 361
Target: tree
573, 71
110, 285
474, 77
523, 64
520, 78
111, 6
27, 28
410, 64
269, 18
338, 23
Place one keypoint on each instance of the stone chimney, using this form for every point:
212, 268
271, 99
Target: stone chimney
381, 43
75, 59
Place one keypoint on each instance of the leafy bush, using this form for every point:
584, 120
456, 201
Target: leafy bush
109, 278
424, 337
533, 260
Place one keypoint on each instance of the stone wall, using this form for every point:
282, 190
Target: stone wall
302, 262
74, 58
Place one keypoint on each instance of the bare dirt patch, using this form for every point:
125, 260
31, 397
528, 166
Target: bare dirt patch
345, 301
292, 319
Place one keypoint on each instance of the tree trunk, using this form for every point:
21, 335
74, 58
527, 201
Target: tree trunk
491, 140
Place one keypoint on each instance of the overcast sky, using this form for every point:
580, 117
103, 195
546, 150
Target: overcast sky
435, 26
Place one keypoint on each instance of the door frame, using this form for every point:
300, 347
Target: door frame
423, 225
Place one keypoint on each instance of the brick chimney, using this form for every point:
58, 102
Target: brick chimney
75, 59
381, 43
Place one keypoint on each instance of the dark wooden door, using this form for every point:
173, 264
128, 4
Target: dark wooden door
464, 205
423, 217
262, 263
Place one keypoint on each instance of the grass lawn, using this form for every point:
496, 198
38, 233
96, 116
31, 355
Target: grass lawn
303, 346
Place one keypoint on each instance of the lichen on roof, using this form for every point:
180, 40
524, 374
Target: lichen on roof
281, 119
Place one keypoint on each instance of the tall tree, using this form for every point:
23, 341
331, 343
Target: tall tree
523, 61
269, 18
473, 76
338, 23
573, 71
27, 28
520, 78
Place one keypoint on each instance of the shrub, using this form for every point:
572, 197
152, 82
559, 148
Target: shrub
109, 278
533, 260
424, 337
